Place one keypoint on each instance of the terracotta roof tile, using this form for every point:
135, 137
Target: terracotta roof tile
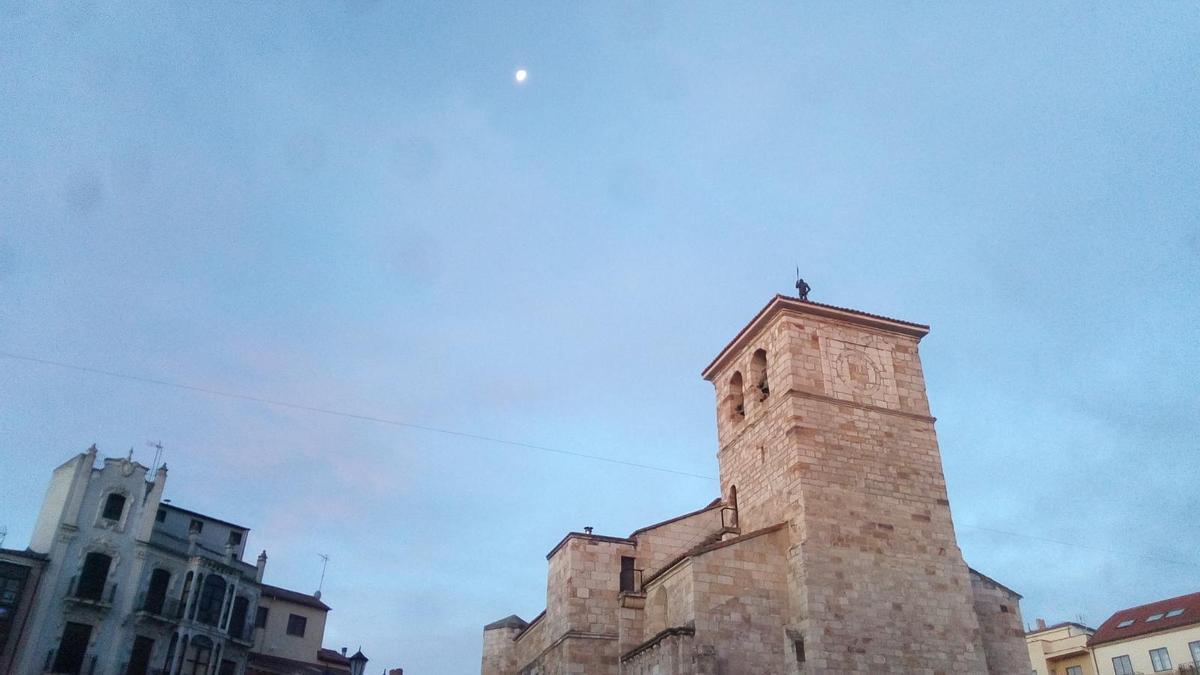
1109, 631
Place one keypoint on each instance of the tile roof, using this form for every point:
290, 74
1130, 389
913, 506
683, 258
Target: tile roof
1109, 632
1060, 624
293, 596
332, 656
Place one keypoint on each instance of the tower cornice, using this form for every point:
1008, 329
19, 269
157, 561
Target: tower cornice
783, 303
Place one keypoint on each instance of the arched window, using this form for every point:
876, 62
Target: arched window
736, 398
656, 612
156, 593
758, 374
114, 506
237, 620
212, 594
183, 597
93, 576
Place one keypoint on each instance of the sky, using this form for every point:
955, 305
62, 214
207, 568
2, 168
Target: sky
353, 206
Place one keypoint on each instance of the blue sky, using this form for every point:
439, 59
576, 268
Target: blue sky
353, 206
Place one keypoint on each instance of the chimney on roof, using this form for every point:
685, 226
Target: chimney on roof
343, 651
588, 529
1041, 624
262, 566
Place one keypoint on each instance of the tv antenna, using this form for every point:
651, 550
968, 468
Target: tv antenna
158, 451
3, 534
324, 563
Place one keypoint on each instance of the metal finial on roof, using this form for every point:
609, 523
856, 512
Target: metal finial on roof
802, 287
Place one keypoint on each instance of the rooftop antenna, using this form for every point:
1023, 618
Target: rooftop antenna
3, 534
324, 562
158, 450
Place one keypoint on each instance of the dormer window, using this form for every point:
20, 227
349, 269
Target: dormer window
196, 526
235, 538
114, 506
1125, 624
758, 374
737, 401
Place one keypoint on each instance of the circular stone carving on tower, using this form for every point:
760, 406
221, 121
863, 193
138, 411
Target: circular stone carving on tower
858, 370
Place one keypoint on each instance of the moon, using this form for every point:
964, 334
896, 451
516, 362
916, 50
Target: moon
521, 75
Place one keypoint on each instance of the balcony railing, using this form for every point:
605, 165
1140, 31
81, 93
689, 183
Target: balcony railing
158, 608
102, 599
87, 665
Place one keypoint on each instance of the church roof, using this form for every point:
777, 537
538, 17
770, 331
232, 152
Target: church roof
782, 302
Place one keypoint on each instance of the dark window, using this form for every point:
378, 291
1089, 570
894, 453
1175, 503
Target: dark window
260, 619
114, 506
12, 582
237, 620
798, 645
72, 648
161, 516
758, 374
196, 526
227, 667
627, 573
211, 597
170, 660
156, 594
235, 538
736, 398
183, 596
139, 659
95, 573
199, 654
296, 625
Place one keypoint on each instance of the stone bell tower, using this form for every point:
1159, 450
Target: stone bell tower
823, 423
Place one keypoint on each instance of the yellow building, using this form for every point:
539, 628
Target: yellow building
1061, 649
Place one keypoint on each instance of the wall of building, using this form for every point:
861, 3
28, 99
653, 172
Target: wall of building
273, 639
1138, 650
999, 613
20, 576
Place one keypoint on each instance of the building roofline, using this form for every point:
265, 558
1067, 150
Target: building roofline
169, 505
529, 625
976, 572
27, 554
510, 621
288, 595
785, 303
711, 505
590, 537
707, 547
1060, 624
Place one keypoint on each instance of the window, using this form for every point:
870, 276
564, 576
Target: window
1160, 659
1195, 648
237, 619
161, 516
1174, 612
1074, 670
196, 526
1122, 666
235, 538
139, 658
71, 648
212, 595
758, 374
296, 625
114, 506
156, 593
736, 398
227, 667
93, 576
12, 582
260, 619
628, 584
199, 654
1125, 624
1154, 617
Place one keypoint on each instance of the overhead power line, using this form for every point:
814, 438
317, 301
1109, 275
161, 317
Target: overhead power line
490, 439
350, 415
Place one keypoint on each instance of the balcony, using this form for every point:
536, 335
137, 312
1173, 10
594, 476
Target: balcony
87, 665
159, 609
91, 595
632, 593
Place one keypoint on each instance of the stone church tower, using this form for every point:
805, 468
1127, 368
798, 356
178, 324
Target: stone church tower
831, 549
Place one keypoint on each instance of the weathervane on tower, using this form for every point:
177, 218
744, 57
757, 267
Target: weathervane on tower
802, 287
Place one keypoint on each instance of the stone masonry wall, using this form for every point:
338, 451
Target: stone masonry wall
1001, 627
